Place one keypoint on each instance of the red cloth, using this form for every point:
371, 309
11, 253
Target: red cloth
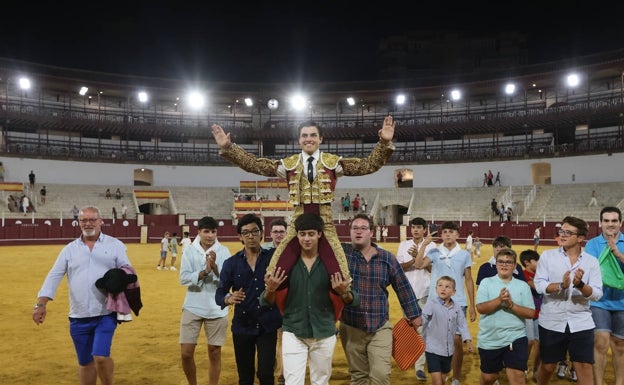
407, 344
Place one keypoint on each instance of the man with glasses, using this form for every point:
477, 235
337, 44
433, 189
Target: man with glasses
504, 303
277, 229
200, 272
254, 327
569, 278
450, 259
91, 324
608, 311
312, 177
365, 330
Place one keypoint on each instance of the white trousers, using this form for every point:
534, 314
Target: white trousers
296, 352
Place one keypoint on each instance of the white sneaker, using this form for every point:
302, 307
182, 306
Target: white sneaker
496, 383
573, 376
561, 370
173, 268
165, 268
455, 382
158, 268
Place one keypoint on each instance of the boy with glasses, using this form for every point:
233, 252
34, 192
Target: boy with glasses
504, 303
568, 278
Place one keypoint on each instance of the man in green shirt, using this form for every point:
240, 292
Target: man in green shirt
309, 319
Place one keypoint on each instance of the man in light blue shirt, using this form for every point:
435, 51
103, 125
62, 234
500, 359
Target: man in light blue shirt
91, 324
199, 272
608, 311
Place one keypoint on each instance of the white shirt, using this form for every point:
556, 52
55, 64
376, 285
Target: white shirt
420, 279
568, 307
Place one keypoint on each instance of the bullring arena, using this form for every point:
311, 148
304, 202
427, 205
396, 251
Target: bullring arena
554, 147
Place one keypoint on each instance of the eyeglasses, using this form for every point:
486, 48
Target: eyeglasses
503, 263
279, 231
567, 233
253, 233
363, 228
89, 220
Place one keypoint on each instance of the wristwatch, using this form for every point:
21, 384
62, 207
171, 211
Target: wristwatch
39, 305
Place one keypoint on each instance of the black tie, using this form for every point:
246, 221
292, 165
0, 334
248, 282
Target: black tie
310, 169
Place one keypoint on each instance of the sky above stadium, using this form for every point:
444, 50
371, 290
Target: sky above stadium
256, 42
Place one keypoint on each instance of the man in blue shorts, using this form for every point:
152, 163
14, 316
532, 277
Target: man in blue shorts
608, 312
91, 324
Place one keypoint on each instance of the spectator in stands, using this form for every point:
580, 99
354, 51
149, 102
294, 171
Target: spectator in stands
91, 324
309, 320
569, 279
114, 214
31, 179
356, 203
494, 206
164, 248
200, 270
384, 233
450, 259
419, 279
509, 214
108, 194
490, 178
42, 195
124, 210
25, 204
497, 179
593, 201
311, 182
363, 204
608, 312
346, 204
118, 194
75, 212
485, 179
502, 213
254, 327
1, 172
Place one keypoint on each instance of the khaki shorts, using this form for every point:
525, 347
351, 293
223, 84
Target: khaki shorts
215, 329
